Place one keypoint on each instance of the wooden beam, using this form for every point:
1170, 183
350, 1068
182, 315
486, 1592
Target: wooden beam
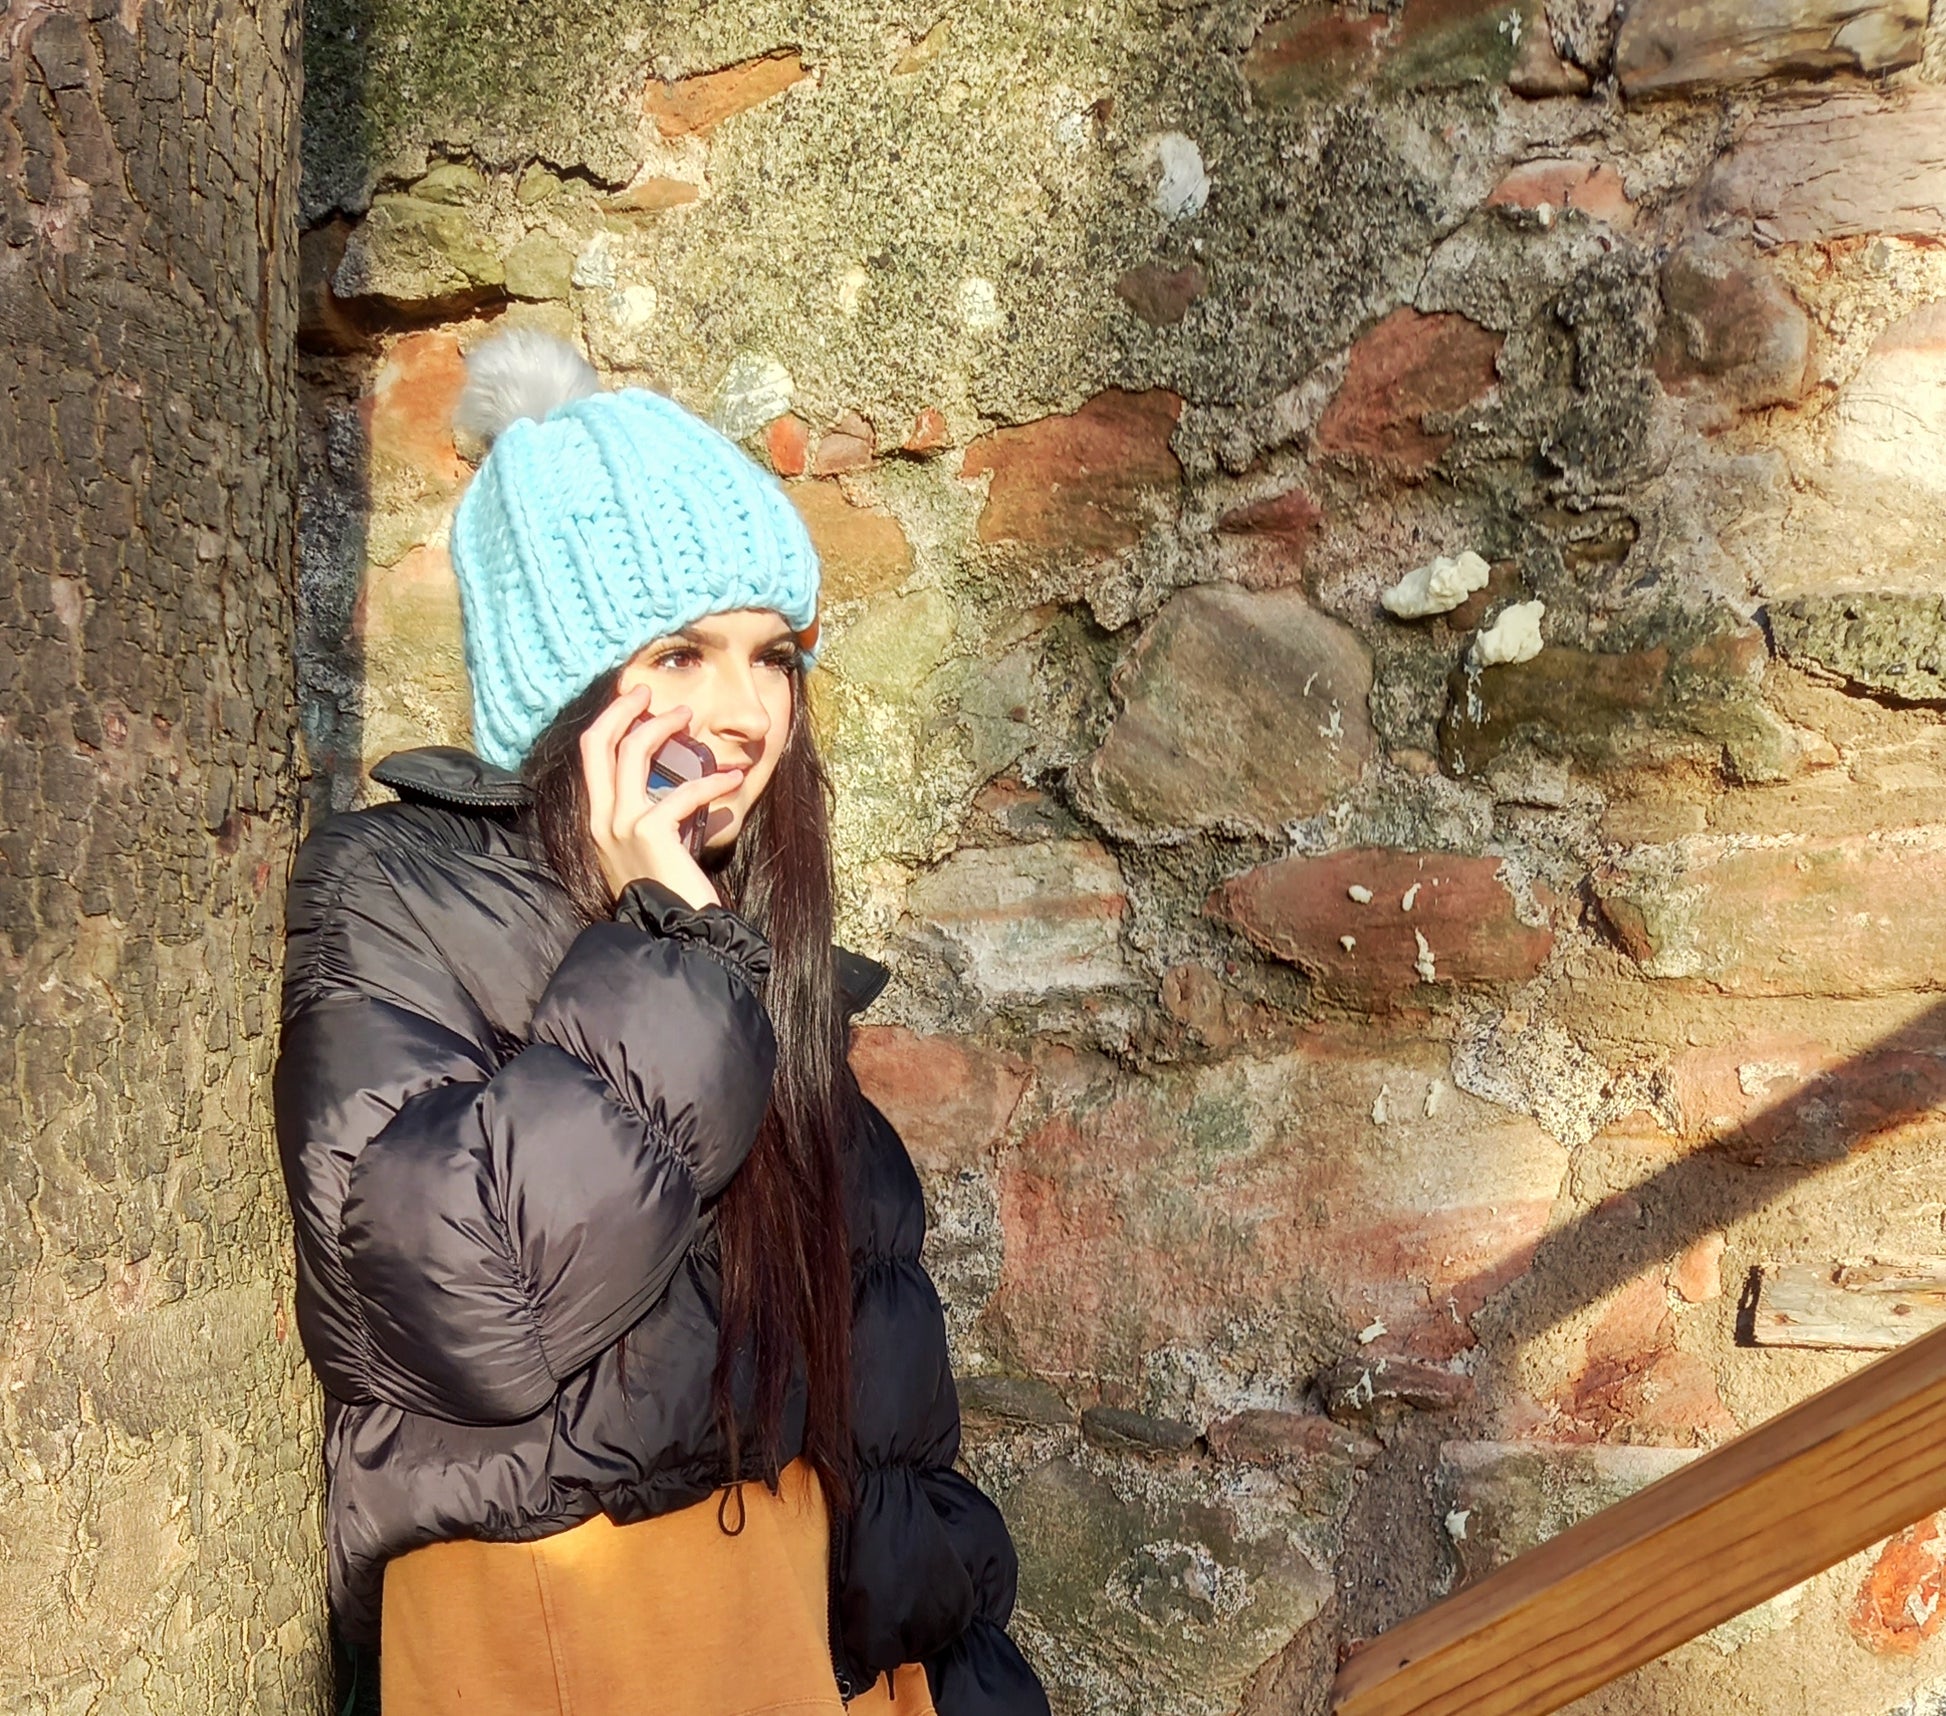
1798, 1494
1854, 1307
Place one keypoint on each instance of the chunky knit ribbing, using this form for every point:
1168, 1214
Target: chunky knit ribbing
616, 520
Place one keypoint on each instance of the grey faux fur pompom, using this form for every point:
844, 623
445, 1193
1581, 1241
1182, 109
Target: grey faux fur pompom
521, 373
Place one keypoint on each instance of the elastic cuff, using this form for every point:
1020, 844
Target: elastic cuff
660, 910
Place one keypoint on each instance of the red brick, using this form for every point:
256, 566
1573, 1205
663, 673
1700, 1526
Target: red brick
1407, 368
1300, 909
1162, 296
788, 442
1141, 1210
1267, 540
692, 106
1812, 915
1082, 485
1902, 1601
1315, 52
408, 413
1292, 517
846, 446
1851, 164
863, 551
1633, 1377
1590, 186
1795, 1100
1697, 1276
950, 1098
929, 433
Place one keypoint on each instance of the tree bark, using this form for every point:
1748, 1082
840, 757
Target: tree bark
158, 1436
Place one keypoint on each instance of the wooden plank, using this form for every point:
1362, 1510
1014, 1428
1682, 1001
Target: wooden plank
1798, 1494
1853, 1307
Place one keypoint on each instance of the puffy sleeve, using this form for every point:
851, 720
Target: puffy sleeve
474, 1226
927, 1569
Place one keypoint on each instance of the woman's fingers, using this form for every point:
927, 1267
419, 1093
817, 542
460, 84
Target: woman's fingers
598, 744
680, 803
632, 757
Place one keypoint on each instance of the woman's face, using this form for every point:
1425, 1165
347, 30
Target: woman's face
735, 673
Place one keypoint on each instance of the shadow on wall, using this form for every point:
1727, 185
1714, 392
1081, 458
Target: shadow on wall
1831, 1116
335, 364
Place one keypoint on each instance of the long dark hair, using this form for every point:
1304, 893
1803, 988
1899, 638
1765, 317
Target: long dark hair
781, 1223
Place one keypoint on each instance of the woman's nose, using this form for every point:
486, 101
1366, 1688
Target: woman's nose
736, 712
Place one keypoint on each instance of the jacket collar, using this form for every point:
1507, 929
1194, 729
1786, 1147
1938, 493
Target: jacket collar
446, 774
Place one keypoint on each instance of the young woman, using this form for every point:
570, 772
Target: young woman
636, 1393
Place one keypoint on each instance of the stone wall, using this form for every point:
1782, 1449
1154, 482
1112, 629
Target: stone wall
1358, 1051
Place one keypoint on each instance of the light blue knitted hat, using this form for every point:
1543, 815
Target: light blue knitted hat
598, 523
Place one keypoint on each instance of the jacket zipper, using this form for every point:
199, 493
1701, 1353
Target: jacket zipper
848, 1689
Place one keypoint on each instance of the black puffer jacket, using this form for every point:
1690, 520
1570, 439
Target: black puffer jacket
501, 1132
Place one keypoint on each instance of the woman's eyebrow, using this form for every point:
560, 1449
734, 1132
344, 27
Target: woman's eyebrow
706, 639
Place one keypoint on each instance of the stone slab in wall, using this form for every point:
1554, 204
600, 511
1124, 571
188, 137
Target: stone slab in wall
1848, 165
1668, 45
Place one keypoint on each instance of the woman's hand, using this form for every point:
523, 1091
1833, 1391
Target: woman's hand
638, 837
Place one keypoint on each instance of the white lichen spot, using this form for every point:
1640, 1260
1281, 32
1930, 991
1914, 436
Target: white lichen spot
848, 289
1423, 964
1544, 215
755, 389
635, 306
1381, 1114
1334, 729
1921, 1606
1348, 942
1181, 184
1434, 1092
594, 268
1371, 1332
1410, 897
1438, 587
1361, 1392
1359, 892
1456, 1523
1070, 118
1514, 637
978, 304
1754, 1078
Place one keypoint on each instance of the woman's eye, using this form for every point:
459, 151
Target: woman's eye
677, 658
785, 659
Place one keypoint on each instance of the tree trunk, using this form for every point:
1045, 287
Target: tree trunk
158, 1438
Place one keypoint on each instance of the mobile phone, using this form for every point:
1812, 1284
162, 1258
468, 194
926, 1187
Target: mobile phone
683, 759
